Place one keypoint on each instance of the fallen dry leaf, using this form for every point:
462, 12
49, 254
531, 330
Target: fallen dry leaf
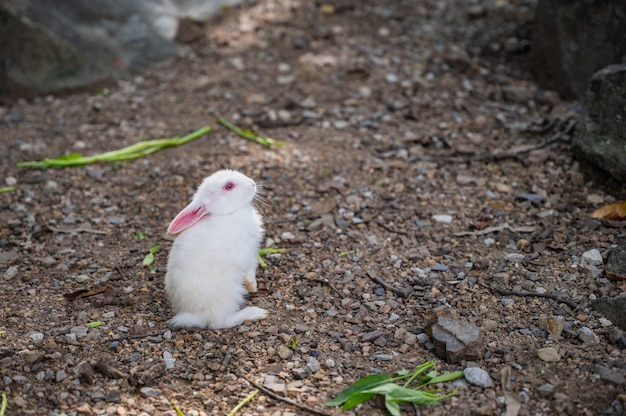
84, 293
614, 276
616, 211
106, 367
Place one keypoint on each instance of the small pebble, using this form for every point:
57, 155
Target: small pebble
10, 273
444, 218
169, 360
81, 278
284, 352
507, 301
61, 375
149, 392
549, 355
80, 331
514, 257
609, 375
587, 336
592, 257
477, 376
312, 365
372, 336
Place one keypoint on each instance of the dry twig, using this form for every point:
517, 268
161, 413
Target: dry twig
562, 299
286, 400
76, 230
494, 157
403, 292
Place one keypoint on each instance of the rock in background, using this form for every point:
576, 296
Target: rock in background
51, 46
601, 132
572, 39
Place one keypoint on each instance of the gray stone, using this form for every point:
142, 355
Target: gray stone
572, 39
149, 392
169, 360
7, 256
88, 41
372, 335
456, 340
312, 365
616, 261
80, 331
332, 312
612, 308
92, 41
592, 257
609, 375
10, 273
61, 375
601, 131
37, 337
97, 396
545, 389
477, 376
301, 328
587, 336
114, 396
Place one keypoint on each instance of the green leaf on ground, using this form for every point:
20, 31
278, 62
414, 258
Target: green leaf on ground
249, 134
383, 384
265, 251
4, 405
133, 151
149, 259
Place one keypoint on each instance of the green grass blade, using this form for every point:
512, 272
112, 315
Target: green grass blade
243, 403
419, 370
365, 383
4, 405
7, 189
442, 378
133, 151
356, 399
249, 135
401, 394
393, 407
176, 409
265, 251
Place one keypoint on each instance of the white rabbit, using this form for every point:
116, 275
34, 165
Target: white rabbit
215, 254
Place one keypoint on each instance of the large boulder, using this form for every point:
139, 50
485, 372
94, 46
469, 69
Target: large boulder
601, 131
572, 39
51, 46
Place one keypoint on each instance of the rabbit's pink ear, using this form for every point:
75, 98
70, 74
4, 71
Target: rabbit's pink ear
187, 217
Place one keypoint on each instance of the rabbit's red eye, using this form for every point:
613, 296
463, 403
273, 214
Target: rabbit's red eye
229, 186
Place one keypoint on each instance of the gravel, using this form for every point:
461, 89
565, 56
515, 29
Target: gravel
392, 199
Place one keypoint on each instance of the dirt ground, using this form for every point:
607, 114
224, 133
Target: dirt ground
418, 151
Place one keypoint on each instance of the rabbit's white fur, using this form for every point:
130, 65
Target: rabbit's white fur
215, 254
